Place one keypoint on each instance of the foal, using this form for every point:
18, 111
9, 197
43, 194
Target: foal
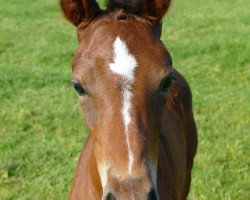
138, 109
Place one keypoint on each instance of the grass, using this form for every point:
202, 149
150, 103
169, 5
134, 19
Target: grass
41, 128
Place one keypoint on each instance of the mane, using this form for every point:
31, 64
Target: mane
132, 6
150, 9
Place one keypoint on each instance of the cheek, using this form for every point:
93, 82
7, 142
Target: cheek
159, 107
90, 113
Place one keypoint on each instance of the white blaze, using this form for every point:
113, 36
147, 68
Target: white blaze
124, 65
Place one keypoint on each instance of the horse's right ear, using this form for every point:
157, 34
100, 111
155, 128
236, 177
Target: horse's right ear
77, 11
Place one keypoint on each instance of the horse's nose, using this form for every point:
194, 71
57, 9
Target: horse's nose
110, 196
131, 188
152, 195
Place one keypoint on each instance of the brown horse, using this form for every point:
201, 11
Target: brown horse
138, 109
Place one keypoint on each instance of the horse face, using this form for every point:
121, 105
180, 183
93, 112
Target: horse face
122, 73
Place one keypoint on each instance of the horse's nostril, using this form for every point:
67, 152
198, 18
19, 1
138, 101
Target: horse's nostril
152, 195
110, 196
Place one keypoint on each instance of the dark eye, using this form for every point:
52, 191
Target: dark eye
79, 89
166, 83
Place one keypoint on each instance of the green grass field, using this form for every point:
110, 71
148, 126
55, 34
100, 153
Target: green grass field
41, 126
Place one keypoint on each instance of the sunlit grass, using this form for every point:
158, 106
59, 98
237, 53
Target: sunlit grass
41, 126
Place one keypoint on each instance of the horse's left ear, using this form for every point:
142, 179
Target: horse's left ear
156, 8
77, 11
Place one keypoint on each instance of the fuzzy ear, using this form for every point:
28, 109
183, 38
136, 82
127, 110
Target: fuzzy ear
78, 10
156, 8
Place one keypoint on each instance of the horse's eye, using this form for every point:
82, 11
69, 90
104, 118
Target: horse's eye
166, 83
79, 89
